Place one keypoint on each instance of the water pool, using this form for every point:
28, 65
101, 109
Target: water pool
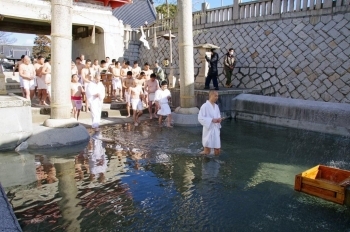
152, 179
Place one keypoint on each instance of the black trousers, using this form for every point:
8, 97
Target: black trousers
214, 77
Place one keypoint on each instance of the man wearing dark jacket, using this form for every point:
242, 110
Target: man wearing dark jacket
229, 65
213, 70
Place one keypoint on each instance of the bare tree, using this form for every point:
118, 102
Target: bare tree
6, 38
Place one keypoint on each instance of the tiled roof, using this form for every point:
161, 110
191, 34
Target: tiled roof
136, 13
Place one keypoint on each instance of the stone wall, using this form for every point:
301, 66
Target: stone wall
301, 56
132, 52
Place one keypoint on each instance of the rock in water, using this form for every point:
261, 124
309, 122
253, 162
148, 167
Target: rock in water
22, 146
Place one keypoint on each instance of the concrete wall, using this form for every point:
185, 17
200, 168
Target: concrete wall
91, 51
322, 117
110, 44
301, 55
16, 121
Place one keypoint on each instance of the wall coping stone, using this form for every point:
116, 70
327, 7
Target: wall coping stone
13, 101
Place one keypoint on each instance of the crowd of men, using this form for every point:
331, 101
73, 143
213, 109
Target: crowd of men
138, 87
35, 78
131, 84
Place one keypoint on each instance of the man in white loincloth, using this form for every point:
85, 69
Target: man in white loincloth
46, 72
76, 91
87, 75
147, 71
136, 95
127, 83
209, 116
151, 86
117, 81
27, 72
40, 81
16, 67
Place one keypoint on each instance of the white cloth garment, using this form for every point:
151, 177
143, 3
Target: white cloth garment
211, 131
96, 103
41, 82
98, 160
161, 96
117, 83
143, 39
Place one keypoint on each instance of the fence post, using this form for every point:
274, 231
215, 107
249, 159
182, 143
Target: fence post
327, 3
204, 13
235, 9
276, 7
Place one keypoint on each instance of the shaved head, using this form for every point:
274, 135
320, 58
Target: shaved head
26, 60
213, 96
212, 92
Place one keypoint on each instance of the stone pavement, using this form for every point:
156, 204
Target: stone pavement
114, 116
8, 220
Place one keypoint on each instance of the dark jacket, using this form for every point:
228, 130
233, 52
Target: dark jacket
213, 63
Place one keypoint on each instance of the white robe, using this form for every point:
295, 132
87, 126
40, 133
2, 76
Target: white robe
96, 103
211, 131
98, 160
161, 96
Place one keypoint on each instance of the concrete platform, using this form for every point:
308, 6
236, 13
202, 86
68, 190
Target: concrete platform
324, 117
225, 97
48, 137
16, 121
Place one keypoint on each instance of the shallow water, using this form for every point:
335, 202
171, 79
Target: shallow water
151, 179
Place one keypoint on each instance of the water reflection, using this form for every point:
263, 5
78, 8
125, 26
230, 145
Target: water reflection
148, 178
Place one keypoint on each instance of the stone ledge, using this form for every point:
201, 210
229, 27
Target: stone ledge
12, 100
46, 137
318, 116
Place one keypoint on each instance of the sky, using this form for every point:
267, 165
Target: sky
28, 39
23, 39
213, 3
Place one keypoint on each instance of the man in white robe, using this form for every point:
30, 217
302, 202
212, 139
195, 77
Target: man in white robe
209, 116
95, 94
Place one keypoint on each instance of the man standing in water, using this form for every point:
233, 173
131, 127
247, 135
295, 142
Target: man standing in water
210, 118
95, 93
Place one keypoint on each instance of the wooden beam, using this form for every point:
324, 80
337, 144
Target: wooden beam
25, 28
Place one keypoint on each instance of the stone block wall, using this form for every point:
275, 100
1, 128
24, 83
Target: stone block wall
132, 53
301, 57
